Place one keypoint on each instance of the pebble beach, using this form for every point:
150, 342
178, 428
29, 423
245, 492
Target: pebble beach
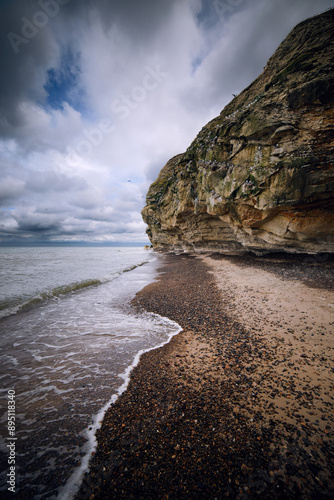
239, 404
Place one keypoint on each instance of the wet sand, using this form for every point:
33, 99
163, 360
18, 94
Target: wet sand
240, 403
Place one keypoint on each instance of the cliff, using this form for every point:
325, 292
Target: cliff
260, 176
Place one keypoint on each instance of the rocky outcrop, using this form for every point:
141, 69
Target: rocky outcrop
260, 176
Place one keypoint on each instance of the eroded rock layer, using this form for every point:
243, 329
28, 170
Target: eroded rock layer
260, 176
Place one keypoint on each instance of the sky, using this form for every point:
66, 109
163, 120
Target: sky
96, 96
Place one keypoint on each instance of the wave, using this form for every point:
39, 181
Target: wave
15, 305
126, 270
72, 486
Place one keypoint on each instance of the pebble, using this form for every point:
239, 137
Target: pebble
207, 428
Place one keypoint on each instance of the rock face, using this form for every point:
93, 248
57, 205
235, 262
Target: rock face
259, 177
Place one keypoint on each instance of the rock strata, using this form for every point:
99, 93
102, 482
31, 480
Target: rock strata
259, 177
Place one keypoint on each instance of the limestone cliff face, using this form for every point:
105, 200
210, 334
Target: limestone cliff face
260, 176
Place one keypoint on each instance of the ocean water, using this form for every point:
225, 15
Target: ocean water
69, 338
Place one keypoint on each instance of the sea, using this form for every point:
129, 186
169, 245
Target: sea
69, 338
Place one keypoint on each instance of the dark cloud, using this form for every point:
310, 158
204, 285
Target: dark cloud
36, 225
22, 61
94, 94
10, 189
34, 36
139, 20
57, 182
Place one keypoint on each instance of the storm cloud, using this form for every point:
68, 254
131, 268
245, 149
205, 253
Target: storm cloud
95, 97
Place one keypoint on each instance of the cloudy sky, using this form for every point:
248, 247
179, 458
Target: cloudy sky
96, 96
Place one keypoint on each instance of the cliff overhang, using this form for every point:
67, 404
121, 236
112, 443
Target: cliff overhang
259, 177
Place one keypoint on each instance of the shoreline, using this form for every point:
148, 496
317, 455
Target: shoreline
202, 416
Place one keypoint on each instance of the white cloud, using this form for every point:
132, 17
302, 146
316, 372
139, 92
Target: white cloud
139, 81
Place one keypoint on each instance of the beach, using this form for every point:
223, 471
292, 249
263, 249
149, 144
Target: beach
69, 337
240, 403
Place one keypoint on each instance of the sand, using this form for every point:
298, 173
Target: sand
297, 323
240, 403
